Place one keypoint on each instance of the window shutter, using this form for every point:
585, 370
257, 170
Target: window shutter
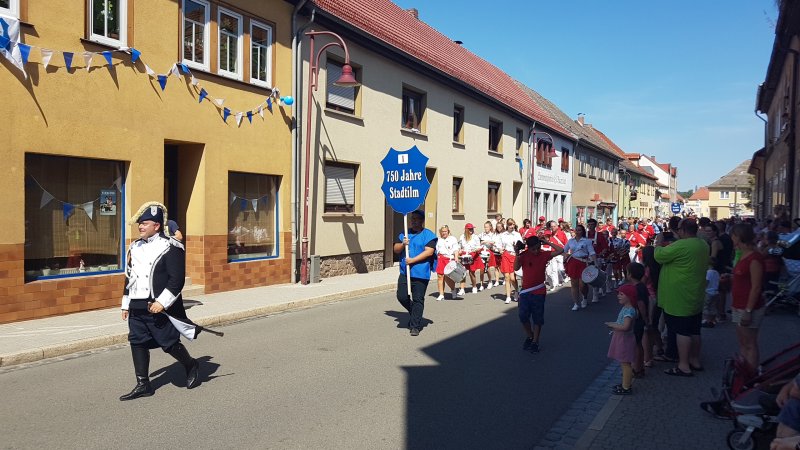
344, 97
340, 185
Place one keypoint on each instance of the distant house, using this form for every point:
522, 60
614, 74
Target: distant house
698, 202
729, 195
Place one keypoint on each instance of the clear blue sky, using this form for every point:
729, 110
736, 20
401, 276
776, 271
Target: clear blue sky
672, 79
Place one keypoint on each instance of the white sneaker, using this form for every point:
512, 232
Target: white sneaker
480, 287
575, 307
595, 300
461, 292
583, 303
504, 281
474, 290
496, 283
440, 297
508, 300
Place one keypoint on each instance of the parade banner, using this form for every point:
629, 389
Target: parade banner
405, 186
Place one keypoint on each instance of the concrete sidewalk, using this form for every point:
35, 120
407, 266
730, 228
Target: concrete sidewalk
33, 340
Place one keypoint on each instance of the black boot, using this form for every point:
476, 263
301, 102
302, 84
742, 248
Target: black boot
192, 366
141, 366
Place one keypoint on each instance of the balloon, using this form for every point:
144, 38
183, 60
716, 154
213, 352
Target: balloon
288, 100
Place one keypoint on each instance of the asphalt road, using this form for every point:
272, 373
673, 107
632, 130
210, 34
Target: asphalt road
345, 375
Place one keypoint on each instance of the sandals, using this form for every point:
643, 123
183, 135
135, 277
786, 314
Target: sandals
619, 390
663, 358
677, 372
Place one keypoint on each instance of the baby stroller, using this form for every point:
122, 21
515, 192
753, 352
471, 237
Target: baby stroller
748, 398
787, 291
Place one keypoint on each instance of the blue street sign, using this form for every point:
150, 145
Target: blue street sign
405, 184
676, 208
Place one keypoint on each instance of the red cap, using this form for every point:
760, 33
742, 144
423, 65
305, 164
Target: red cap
541, 218
470, 226
560, 219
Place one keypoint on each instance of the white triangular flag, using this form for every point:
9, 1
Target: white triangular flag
46, 197
261, 111
233, 197
149, 71
89, 208
255, 204
238, 119
174, 71
220, 102
46, 55
195, 81
87, 59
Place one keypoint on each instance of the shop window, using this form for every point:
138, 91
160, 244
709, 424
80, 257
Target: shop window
74, 216
196, 25
260, 54
495, 136
252, 216
340, 187
108, 20
341, 98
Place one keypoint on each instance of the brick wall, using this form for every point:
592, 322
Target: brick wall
195, 259
221, 275
21, 301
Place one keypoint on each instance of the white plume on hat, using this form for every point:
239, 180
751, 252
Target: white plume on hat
144, 207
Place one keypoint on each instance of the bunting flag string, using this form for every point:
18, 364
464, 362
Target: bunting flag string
68, 208
177, 69
244, 202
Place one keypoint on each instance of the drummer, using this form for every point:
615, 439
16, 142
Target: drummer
488, 240
600, 242
470, 247
620, 256
509, 239
580, 253
446, 250
560, 238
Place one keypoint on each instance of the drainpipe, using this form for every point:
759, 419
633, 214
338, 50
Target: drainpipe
297, 109
793, 137
530, 174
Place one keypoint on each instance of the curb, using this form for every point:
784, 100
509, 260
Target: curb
52, 351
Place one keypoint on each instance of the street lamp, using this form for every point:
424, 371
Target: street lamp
533, 143
347, 79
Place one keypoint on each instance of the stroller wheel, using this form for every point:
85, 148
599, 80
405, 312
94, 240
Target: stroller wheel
741, 440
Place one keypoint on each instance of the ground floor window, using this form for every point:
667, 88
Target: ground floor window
74, 216
252, 216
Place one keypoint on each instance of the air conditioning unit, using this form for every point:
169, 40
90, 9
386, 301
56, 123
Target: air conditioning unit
314, 268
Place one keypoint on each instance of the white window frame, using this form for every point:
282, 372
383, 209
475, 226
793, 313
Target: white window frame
341, 182
724, 195
206, 36
239, 46
12, 11
268, 29
123, 26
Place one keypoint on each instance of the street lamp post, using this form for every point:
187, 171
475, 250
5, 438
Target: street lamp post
347, 79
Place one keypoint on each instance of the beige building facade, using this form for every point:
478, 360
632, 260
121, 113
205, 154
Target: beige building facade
85, 148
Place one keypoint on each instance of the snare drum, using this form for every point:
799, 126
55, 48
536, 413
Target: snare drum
485, 256
593, 276
466, 260
455, 271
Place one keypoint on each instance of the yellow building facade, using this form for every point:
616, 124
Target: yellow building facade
84, 148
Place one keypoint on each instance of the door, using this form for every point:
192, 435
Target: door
171, 182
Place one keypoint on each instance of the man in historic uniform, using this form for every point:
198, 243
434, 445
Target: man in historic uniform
155, 271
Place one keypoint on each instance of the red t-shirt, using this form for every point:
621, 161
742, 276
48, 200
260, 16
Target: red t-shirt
740, 289
601, 243
533, 269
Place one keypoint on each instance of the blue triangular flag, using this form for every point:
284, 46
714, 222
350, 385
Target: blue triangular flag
225, 113
250, 116
24, 51
162, 80
68, 59
67, 209
107, 55
520, 164
203, 94
135, 54
184, 68
269, 104
243, 204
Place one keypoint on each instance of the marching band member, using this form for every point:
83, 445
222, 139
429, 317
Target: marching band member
541, 226
488, 240
580, 253
638, 240
499, 229
446, 250
527, 231
470, 245
560, 239
620, 255
555, 268
509, 239
600, 242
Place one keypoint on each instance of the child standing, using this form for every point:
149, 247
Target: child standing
623, 341
712, 297
642, 323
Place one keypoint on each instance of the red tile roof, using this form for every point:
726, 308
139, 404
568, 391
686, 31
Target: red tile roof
395, 26
613, 145
700, 194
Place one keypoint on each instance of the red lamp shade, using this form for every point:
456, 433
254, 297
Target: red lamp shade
347, 79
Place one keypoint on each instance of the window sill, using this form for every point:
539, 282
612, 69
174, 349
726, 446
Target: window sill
592, 177
581, 174
457, 144
342, 216
495, 153
344, 115
458, 215
413, 132
101, 44
254, 87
